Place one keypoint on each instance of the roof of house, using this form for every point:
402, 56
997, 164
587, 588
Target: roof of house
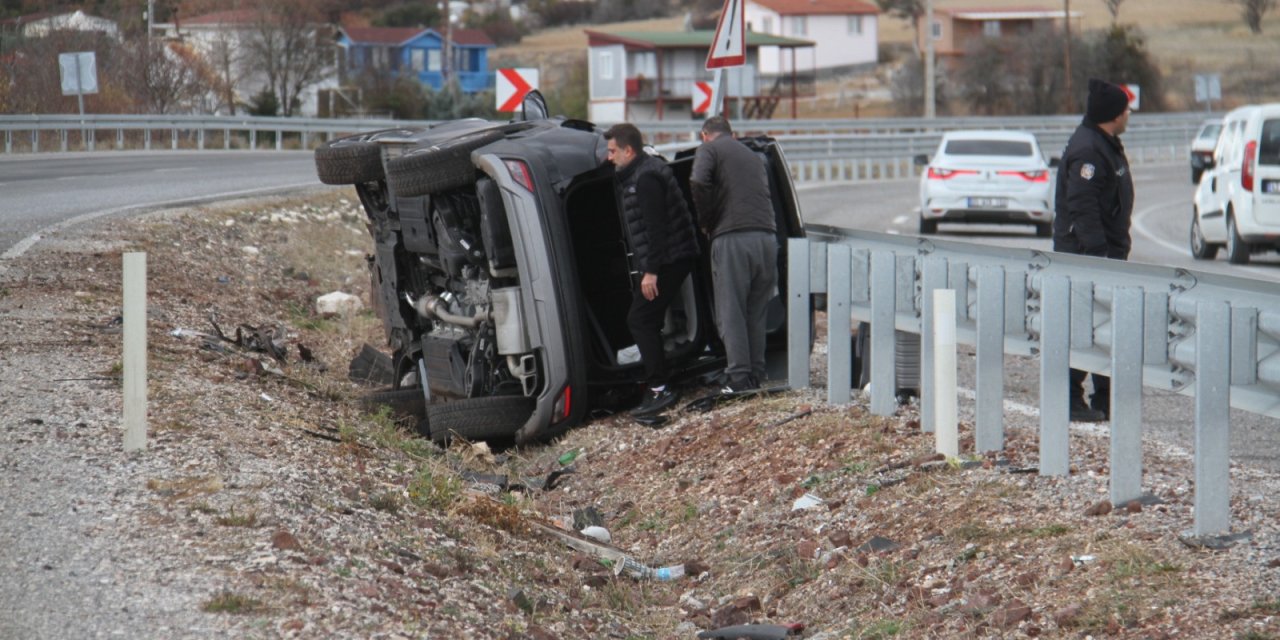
401, 35
48, 15
684, 39
818, 7
1006, 13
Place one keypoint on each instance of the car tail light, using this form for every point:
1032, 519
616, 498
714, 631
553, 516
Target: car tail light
947, 174
520, 171
1039, 175
564, 404
1250, 162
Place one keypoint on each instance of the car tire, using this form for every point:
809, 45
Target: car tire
1044, 230
408, 401
348, 161
1237, 249
438, 168
1200, 249
928, 227
485, 418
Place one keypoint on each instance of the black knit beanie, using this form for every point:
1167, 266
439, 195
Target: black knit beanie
1106, 101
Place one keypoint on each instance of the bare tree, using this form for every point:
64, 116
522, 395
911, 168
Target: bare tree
225, 59
291, 46
1113, 6
1253, 11
910, 10
173, 78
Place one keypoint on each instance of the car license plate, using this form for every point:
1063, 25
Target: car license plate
988, 203
1271, 186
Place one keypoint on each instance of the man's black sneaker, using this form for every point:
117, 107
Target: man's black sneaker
740, 385
1081, 412
655, 402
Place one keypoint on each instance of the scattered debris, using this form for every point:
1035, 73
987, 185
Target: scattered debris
806, 501
372, 367
338, 304
754, 632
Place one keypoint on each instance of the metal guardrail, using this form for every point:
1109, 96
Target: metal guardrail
1213, 337
820, 149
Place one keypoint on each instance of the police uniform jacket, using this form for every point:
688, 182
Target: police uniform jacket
1094, 199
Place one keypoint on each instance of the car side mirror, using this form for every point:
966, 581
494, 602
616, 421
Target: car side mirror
1054, 161
921, 160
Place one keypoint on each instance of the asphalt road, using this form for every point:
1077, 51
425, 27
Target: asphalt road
43, 192
1162, 218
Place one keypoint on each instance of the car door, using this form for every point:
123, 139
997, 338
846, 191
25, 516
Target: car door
1266, 186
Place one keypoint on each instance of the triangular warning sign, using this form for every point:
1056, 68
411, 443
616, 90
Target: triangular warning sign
729, 46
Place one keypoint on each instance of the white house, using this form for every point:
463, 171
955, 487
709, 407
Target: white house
221, 39
844, 33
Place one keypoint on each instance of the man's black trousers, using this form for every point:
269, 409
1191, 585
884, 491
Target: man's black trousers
647, 317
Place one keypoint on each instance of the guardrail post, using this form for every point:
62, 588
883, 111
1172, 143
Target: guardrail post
279, 139
226, 139
1081, 314
884, 380
990, 361
253, 139
839, 362
120, 139
1155, 333
798, 313
1055, 344
1126, 395
200, 139
173, 138
64, 135
1213, 419
8, 141
35, 140
146, 139
1244, 345
958, 280
933, 279
946, 437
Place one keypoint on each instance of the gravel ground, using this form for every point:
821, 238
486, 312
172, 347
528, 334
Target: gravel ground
268, 505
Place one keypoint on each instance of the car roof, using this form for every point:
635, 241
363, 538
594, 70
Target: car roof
989, 134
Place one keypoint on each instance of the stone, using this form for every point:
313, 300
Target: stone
807, 549
736, 612
284, 541
1099, 509
840, 538
1066, 616
1011, 615
338, 304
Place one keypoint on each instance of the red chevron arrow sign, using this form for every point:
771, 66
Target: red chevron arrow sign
701, 97
512, 85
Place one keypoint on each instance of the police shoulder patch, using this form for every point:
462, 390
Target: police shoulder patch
1086, 171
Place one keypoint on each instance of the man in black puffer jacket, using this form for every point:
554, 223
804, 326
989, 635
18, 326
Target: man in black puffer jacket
1093, 204
663, 245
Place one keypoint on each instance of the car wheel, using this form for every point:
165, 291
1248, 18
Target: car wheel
928, 227
1044, 230
349, 161
1237, 249
438, 168
408, 401
478, 418
1200, 250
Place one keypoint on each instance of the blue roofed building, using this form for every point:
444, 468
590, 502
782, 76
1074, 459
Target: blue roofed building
432, 56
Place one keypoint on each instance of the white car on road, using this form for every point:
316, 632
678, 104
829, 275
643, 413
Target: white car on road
1237, 203
987, 177
1202, 147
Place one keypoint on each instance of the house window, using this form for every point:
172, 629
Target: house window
800, 25
418, 60
766, 24
855, 25
606, 65
433, 60
937, 30
991, 28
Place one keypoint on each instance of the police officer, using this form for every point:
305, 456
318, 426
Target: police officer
1093, 205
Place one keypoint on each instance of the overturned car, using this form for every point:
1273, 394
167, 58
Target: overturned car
502, 277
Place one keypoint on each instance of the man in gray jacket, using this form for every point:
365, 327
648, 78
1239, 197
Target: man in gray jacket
731, 194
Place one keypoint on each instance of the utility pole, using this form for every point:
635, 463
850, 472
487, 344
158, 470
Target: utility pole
447, 65
151, 12
1066, 53
930, 99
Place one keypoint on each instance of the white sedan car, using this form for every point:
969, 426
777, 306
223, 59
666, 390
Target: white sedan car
986, 177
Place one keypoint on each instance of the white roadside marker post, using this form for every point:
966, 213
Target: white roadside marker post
946, 434
134, 361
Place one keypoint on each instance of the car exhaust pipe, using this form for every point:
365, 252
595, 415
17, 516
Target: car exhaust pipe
430, 306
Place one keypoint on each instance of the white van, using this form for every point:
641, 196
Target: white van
1237, 203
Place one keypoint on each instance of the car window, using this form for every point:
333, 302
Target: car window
1209, 132
1269, 143
988, 148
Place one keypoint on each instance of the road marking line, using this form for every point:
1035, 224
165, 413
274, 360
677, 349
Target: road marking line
26, 243
1140, 227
